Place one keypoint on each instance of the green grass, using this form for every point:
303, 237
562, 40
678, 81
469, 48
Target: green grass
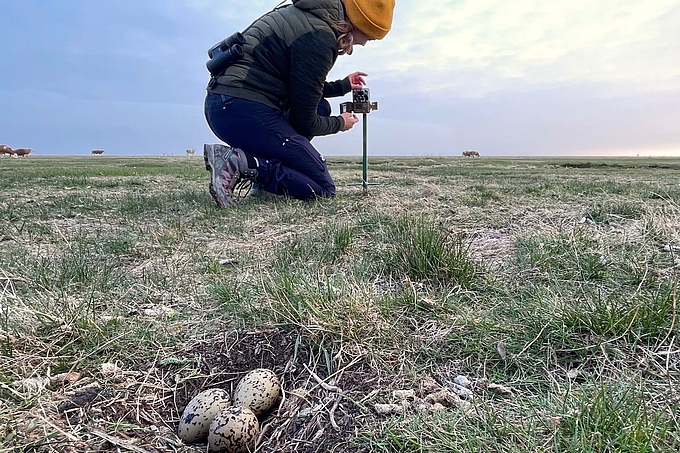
616, 417
450, 266
621, 210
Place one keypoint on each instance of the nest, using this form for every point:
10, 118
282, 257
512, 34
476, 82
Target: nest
138, 408
325, 400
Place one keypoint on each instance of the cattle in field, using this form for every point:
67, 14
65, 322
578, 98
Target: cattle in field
97, 152
6, 150
191, 152
470, 153
23, 152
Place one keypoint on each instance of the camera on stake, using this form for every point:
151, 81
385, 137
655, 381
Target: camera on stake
361, 103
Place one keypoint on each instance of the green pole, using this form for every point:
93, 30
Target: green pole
365, 181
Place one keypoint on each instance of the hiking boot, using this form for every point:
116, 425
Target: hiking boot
244, 165
221, 177
228, 166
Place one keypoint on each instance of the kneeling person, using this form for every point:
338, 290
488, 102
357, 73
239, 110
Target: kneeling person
270, 103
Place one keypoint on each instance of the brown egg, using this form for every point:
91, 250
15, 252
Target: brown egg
258, 390
195, 421
234, 430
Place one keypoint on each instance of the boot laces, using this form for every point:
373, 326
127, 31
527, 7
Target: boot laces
242, 189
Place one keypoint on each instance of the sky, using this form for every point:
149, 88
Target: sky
518, 78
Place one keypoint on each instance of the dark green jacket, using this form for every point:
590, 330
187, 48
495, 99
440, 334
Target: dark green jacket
288, 53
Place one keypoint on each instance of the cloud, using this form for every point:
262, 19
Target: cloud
476, 47
528, 77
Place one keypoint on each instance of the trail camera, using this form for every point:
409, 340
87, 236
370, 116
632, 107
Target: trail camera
361, 102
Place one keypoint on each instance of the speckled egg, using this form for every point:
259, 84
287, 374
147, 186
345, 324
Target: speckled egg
195, 421
258, 390
233, 430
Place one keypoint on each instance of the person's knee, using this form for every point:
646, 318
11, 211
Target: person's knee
328, 186
322, 191
328, 191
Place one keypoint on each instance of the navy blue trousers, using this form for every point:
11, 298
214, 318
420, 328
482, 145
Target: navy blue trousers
289, 164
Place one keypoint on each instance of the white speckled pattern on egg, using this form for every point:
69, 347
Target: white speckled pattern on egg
195, 421
233, 430
258, 390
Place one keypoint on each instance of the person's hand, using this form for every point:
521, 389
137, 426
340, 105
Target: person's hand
350, 120
356, 79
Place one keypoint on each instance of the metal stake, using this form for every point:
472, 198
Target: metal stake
361, 104
365, 167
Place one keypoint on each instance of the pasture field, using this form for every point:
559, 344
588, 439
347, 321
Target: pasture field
550, 285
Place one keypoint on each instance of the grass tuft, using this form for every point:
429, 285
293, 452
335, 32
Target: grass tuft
426, 251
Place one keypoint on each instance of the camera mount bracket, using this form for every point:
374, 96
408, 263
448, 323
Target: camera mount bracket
361, 104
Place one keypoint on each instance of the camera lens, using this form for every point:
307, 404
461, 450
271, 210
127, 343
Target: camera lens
361, 96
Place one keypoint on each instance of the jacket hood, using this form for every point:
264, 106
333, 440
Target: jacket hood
327, 10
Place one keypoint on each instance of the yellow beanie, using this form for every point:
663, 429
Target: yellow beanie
373, 17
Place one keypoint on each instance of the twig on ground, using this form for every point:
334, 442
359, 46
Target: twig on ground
118, 442
331, 413
322, 383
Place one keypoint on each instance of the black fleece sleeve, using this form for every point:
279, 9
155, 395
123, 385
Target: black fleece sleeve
337, 88
312, 56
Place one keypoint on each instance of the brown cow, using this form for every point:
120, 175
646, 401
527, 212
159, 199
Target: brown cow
470, 153
6, 150
22, 152
97, 152
191, 152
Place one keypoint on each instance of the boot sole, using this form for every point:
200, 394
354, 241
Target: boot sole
208, 167
207, 154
